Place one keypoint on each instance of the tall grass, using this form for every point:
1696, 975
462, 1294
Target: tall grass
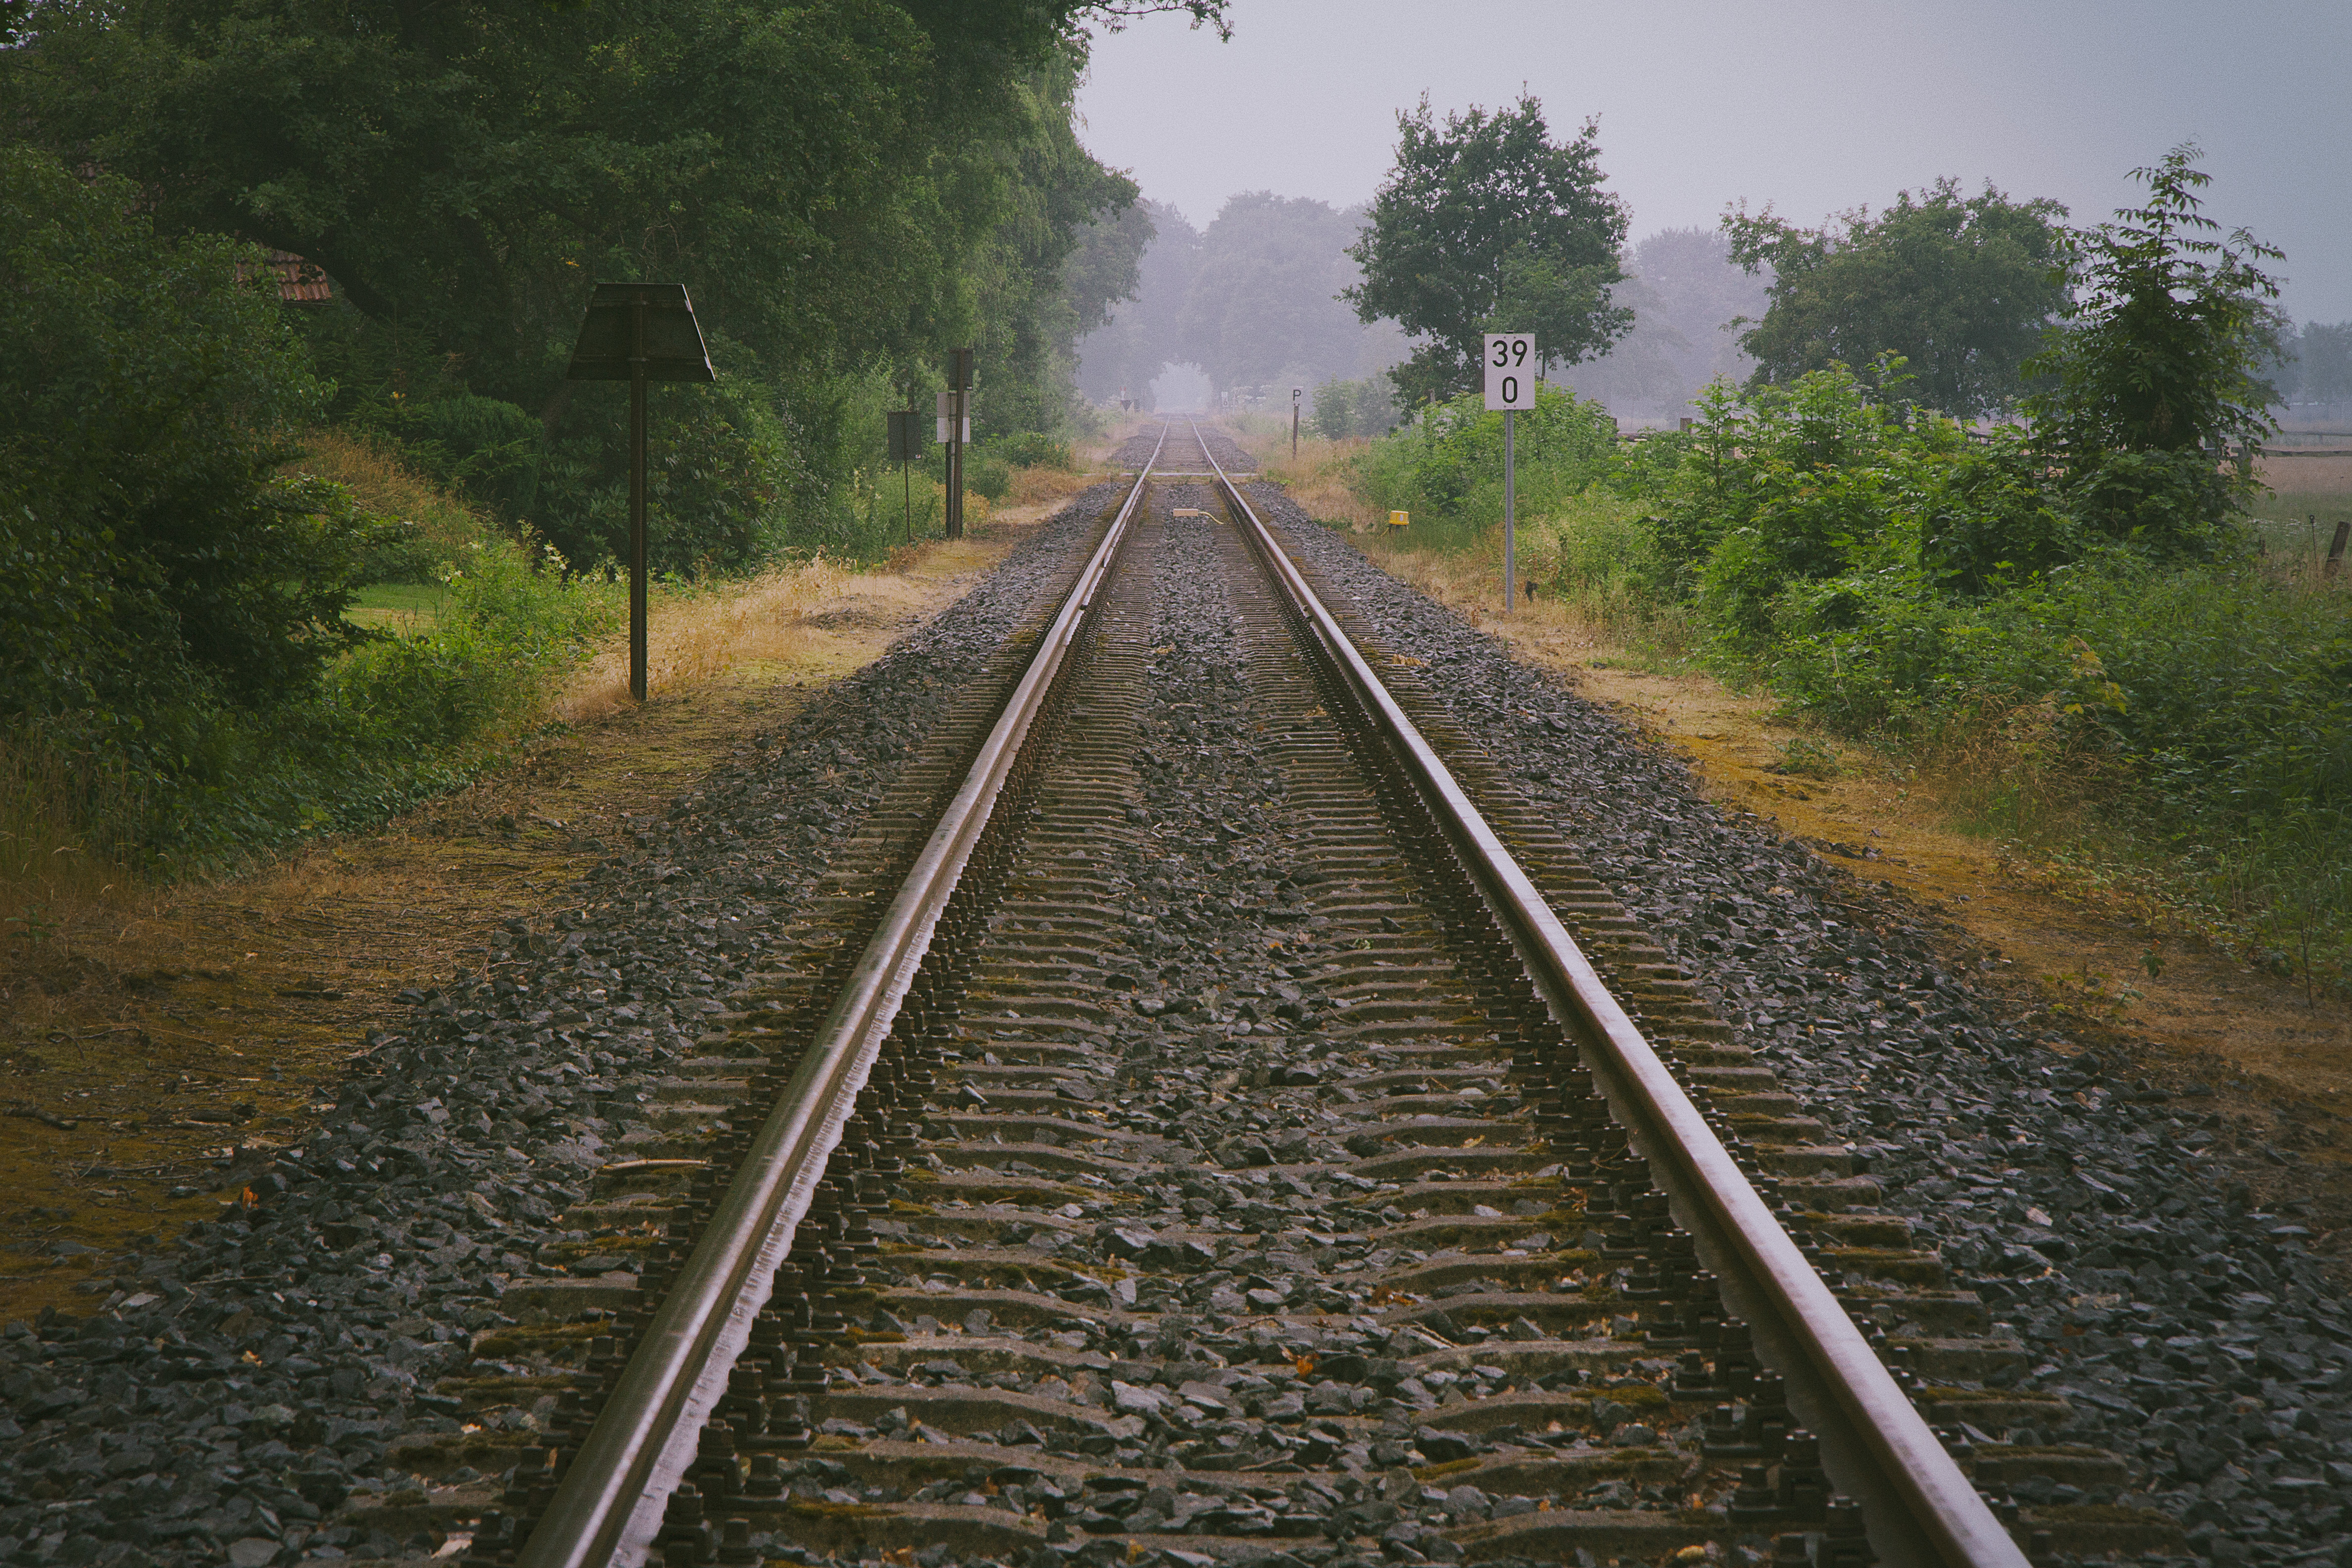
1581, 540
61, 852
700, 632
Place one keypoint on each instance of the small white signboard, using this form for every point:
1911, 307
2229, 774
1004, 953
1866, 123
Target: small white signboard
945, 420
1511, 366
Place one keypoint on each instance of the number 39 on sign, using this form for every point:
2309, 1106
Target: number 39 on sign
1511, 366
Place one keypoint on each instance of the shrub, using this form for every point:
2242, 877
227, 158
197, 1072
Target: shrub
151, 557
725, 471
1032, 449
486, 450
1345, 409
1448, 471
986, 474
1597, 553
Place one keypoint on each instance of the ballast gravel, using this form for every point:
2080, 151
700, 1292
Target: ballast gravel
2190, 1331
239, 1387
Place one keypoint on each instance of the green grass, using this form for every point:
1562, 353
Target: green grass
398, 607
2295, 527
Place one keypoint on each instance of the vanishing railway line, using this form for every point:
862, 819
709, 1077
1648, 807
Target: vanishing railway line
1211, 1114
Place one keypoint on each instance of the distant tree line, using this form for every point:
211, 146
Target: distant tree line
1487, 222
2314, 363
1252, 300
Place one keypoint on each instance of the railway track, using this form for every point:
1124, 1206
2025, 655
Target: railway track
1210, 1114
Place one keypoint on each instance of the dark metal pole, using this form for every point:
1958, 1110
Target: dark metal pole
955, 463
638, 498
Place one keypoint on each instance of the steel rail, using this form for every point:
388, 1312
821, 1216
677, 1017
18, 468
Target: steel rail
1919, 1508
608, 1507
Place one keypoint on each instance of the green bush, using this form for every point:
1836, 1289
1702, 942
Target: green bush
174, 599
1598, 553
487, 450
730, 479
1032, 449
2080, 597
398, 551
153, 560
396, 719
1907, 583
1448, 471
986, 474
1345, 409
505, 631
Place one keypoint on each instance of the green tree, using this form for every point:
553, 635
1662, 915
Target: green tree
1106, 271
1961, 287
2168, 330
1333, 414
1145, 333
150, 557
1036, 288
1487, 224
848, 187
1263, 302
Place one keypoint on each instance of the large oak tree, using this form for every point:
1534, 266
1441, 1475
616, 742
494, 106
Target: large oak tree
1960, 287
1487, 224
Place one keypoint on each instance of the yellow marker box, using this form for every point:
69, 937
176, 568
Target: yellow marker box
1399, 519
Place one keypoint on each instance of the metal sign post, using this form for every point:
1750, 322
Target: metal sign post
955, 429
1510, 365
639, 332
1296, 394
906, 446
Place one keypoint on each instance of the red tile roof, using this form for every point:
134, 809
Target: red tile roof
300, 282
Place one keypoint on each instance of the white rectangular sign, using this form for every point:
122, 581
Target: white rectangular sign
1511, 366
946, 421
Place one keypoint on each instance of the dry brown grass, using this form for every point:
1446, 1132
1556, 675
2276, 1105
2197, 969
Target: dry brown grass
1470, 582
696, 636
56, 887
1032, 486
692, 636
377, 479
1318, 477
381, 484
1099, 452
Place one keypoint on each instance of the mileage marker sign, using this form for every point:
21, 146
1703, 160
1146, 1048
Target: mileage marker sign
1510, 365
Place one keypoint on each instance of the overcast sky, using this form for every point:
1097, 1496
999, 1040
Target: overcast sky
1814, 107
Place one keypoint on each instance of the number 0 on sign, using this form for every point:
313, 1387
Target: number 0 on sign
1511, 367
